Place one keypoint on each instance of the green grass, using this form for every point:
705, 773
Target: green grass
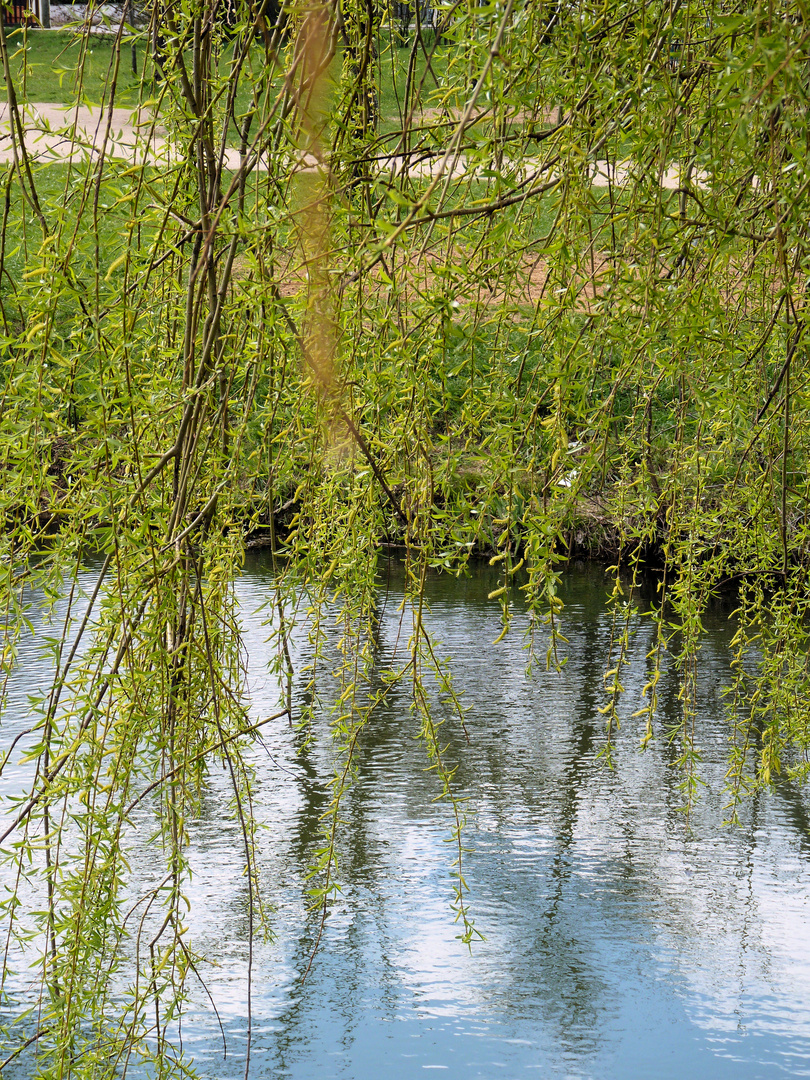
46, 66
61, 192
394, 61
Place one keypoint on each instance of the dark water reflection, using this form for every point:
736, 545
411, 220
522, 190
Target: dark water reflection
618, 943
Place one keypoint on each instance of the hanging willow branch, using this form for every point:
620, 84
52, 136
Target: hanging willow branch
532, 282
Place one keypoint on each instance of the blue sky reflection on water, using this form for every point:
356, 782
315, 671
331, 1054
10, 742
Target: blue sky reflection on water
618, 944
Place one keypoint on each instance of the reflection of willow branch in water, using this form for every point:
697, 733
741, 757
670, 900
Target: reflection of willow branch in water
749, 906
337, 984
562, 965
795, 810
313, 788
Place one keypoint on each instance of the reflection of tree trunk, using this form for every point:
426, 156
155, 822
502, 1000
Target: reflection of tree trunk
577, 768
794, 809
314, 792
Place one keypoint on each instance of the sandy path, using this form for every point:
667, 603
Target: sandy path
60, 133
57, 133
70, 132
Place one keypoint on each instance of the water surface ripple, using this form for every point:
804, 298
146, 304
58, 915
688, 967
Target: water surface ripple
618, 943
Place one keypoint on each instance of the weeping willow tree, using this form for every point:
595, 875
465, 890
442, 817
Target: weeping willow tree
529, 280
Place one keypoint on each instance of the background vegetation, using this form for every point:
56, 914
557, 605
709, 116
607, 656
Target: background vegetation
532, 284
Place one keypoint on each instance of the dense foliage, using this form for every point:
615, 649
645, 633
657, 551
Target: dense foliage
532, 282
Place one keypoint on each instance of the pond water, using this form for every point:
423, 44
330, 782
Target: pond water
618, 943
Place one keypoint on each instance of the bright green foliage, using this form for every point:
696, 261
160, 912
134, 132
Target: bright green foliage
540, 275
